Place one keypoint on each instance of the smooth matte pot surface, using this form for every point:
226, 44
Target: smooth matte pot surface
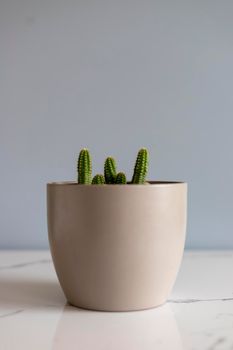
117, 247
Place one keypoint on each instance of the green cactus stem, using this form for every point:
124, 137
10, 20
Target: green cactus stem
84, 167
141, 167
110, 170
98, 179
121, 179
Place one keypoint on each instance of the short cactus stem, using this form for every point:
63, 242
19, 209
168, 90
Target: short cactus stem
98, 179
121, 179
110, 170
141, 167
84, 167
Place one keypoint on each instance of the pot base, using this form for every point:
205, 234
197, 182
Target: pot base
118, 310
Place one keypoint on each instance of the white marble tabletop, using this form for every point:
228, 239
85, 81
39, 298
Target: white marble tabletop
34, 314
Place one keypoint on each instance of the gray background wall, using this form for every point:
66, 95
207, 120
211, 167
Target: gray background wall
115, 76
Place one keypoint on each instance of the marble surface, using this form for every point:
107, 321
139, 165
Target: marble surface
34, 314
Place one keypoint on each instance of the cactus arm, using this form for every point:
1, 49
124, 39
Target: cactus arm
110, 170
141, 167
98, 179
121, 179
84, 167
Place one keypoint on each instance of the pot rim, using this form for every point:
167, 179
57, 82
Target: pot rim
153, 183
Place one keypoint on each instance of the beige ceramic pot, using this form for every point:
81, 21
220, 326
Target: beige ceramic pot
117, 247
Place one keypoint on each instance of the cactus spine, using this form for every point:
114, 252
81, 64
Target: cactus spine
110, 170
121, 179
141, 167
84, 167
98, 179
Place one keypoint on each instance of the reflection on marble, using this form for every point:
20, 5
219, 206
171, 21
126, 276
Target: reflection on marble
148, 329
34, 314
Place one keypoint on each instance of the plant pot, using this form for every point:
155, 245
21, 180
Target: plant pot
117, 247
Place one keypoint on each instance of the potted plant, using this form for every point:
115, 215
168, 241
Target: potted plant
116, 245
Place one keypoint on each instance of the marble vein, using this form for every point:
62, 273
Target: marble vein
12, 313
188, 301
217, 343
29, 263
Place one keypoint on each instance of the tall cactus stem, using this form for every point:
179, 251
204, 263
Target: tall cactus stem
84, 167
141, 167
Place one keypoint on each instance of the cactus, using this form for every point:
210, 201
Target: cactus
110, 170
121, 179
141, 167
84, 168
98, 179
